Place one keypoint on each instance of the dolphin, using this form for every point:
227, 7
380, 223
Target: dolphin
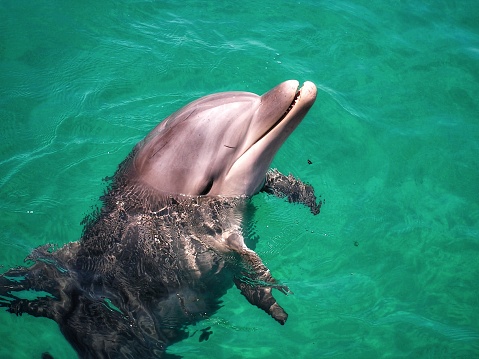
169, 238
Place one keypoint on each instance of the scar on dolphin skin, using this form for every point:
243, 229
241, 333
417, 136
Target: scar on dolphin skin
169, 238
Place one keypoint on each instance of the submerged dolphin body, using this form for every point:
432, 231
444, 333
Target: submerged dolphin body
168, 241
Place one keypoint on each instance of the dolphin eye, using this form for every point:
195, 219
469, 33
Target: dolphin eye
207, 188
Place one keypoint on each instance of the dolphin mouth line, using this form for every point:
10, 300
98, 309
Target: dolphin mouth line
259, 152
282, 117
288, 110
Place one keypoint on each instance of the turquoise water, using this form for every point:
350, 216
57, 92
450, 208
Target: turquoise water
389, 269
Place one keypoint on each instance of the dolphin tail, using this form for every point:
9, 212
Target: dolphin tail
291, 188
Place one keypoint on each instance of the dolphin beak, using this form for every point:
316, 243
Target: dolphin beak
283, 108
302, 102
280, 111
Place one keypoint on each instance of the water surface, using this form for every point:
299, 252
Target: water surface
387, 270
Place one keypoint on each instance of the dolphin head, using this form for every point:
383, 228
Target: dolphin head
221, 144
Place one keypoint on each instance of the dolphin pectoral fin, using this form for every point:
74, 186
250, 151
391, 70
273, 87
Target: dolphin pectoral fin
18, 283
263, 299
256, 284
36, 307
292, 188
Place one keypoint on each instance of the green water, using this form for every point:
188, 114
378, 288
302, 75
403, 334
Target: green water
389, 269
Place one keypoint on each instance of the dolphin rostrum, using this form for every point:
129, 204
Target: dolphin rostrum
168, 241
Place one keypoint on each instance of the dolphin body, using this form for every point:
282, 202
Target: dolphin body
168, 241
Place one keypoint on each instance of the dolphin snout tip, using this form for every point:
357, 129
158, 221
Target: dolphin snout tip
309, 86
293, 86
309, 90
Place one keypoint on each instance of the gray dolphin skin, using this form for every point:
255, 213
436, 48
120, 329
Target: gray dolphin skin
222, 144
169, 238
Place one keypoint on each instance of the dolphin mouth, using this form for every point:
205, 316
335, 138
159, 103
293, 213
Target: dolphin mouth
283, 116
302, 101
280, 112
293, 103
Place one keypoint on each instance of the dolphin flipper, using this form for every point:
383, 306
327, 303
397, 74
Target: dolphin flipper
292, 188
41, 289
33, 290
256, 284
263, 299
